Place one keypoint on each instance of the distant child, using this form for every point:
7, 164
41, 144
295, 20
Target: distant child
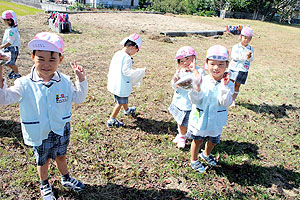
11, 42
45, 96
121, 77
242, 55
211, 96
181, 106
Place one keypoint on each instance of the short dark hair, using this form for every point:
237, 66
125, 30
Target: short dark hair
130, 43
33, 52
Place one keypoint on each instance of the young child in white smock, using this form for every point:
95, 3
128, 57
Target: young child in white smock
45, 97
121, 77
242, 55
11, 42
181, 106
210, 97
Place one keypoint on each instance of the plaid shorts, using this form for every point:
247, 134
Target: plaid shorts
238, 76
54, 145
14, 55
121, 100
214, 140
180, 116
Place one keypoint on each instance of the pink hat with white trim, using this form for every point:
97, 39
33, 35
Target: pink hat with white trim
247, 31
46, 41
217, 52
185, 52
134, 38
10, 14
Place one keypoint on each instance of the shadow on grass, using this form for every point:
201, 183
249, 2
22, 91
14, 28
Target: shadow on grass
275, 110
154, 126
10, 129
237, 148
113, 191
251, 175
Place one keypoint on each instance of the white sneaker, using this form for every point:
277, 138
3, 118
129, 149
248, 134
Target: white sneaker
72, 183
46, 192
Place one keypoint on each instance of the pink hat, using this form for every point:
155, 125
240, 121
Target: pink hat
247, 31
217, 52
46, 41
185, 52
9, 14
134, 38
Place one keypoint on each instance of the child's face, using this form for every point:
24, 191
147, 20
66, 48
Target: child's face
46, 63
245, 40
134, 50
216, 68
6, 22
185, 62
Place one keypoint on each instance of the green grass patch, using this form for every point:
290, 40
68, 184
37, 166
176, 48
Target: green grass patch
19, 9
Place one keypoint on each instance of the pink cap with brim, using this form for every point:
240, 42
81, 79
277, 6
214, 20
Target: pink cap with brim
46, 41
9, 14
217, 52
247, 31
185, 52
134, 38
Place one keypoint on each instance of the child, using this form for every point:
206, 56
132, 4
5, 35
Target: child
45, 97
121, 77
181, 106
210, 98
242, 55
11, 42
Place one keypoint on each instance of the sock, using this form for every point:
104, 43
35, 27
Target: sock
65, 177
45, 182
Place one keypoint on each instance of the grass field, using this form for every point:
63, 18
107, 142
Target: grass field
19, 9
259, 149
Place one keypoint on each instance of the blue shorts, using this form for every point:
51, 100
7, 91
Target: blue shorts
54, 145
238, 76
121, 100
214, 140
14, 54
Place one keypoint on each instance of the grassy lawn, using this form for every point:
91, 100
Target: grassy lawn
259, 149
19, 9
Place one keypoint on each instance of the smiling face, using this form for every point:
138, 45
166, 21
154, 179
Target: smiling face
216, 68
245, 40
186, 62
46, 63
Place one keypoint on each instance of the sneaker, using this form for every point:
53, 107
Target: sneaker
114, 123
180, 141
11, 74
72, 183
130, 111
198, 166
209, 159
46, 192
17, 75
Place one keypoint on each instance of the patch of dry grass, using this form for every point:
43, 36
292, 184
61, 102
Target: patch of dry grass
259, 146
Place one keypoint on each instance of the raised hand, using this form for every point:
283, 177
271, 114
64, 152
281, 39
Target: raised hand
78, 70
226, 78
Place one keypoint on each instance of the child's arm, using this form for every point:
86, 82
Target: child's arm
226, 91
5, 45
79, 92
9, 95
135, 74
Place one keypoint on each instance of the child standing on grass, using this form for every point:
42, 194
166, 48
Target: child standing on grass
181, 106
242, 55
11, 42
211, 96
45, 97
121, 77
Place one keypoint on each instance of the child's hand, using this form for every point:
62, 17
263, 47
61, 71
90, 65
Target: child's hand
226, 78
193, 65
78, 70
249, 55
